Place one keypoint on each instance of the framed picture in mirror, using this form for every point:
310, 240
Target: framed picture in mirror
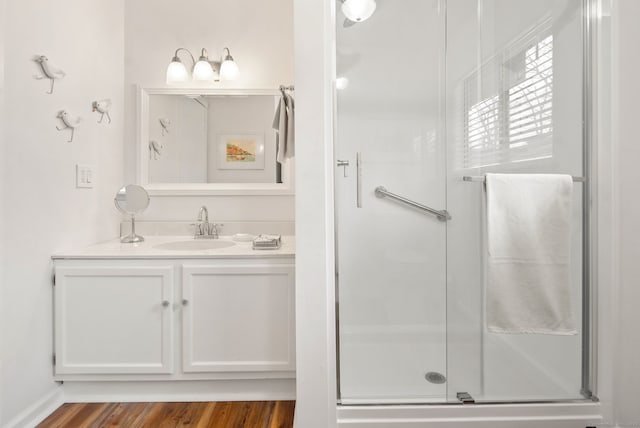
241, 151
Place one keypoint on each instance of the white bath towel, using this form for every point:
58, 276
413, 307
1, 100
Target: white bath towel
528, 239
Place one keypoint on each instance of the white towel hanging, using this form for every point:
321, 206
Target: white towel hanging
528, 242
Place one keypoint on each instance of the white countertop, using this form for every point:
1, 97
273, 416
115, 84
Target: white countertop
114, 249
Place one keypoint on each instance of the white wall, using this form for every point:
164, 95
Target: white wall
626, 152
315, 293
43, 212
260, 36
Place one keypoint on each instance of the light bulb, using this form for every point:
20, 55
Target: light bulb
176, 72
342, 83
203, 71
358, 10
229, 70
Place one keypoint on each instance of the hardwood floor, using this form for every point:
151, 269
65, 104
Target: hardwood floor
234, 414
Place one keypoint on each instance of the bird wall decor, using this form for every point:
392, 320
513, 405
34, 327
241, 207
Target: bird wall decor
102, 107
165, 124
69, 121
48, 71
155, 149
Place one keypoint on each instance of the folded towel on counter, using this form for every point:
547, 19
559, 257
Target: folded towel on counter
267, 242
528, 288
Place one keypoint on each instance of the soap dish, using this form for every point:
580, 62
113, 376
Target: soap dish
243, 237
267, 242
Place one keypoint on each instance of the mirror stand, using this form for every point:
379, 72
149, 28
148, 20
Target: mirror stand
132, 237
131, 200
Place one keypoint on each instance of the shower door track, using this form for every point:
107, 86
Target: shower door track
593, 399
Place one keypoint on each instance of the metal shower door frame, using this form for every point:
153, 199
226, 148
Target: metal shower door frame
591, 16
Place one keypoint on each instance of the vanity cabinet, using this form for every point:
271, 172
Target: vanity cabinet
237, 318
174, 319
113, 320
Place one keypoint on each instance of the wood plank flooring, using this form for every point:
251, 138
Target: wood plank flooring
228, 414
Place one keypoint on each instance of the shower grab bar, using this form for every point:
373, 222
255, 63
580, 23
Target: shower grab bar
482, 178
381, 192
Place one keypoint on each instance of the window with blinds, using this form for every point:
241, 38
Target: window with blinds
508, 106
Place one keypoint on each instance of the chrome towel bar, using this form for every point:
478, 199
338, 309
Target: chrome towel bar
381, 192
482, 178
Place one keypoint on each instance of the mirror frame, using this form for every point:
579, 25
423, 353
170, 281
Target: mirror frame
183, 189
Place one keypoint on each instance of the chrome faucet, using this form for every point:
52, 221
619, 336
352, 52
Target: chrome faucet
204, 229
203, 212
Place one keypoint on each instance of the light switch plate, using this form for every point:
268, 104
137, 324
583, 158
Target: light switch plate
85, 176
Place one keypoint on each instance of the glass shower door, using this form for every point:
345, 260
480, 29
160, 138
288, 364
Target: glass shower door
430, 92
391, 258
514, 105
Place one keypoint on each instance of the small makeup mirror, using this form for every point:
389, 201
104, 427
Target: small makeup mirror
132, 199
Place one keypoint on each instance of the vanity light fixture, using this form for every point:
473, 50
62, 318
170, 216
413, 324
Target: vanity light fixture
204, 70
358, 10
228, 69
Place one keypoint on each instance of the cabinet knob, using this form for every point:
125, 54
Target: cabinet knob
185, 302
165, 303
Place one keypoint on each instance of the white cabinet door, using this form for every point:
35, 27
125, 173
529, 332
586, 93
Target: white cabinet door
113, 320
238, 318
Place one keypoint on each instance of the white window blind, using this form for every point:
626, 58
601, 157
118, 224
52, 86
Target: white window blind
508, 106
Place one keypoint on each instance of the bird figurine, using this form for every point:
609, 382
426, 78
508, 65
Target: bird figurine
155, 149
165, 124
48, 71
102, 107
69, 121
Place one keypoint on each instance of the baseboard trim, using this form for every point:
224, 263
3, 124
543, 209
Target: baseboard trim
38, 411
172, 391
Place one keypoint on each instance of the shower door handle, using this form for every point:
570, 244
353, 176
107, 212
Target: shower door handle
358, 180
344, 164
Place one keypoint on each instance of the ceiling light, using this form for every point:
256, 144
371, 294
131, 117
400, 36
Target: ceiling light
358, 10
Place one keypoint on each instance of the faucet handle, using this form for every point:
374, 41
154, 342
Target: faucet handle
213, 229
197, 229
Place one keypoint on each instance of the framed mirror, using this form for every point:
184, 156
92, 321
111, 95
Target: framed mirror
210, 142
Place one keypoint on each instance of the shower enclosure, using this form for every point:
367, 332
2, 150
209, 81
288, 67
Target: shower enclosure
431, 95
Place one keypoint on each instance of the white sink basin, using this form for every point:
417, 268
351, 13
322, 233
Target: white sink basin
193, 245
